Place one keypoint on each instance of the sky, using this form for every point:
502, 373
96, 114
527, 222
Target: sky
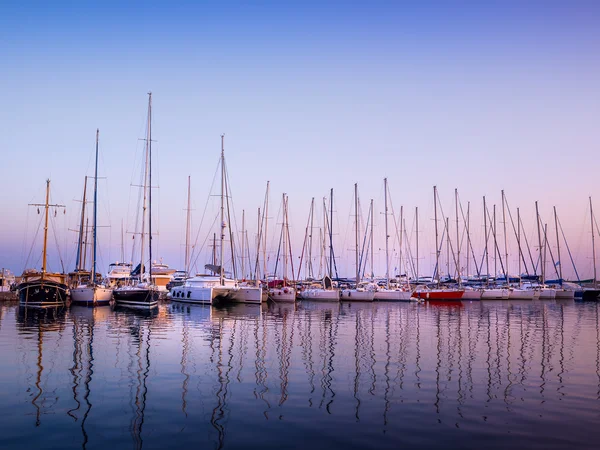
479, 97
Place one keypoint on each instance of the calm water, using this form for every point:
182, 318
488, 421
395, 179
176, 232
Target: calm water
493, 374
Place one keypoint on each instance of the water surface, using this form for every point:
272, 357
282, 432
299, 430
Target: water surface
464, 375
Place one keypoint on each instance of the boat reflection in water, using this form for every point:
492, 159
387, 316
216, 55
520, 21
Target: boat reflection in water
329, 374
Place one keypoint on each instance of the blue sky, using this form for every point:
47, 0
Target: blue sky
311, 96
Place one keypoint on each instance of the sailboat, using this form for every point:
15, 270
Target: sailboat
207, 288
591, 293
280, 291
491, 292
424, 292
42, 289
142, 294
323, 291
92, 293
357, 293
388, 293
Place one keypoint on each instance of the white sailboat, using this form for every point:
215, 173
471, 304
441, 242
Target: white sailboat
359, 293
389, 293
92, 293
280, 291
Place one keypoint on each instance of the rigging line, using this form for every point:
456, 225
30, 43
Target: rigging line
53, 220
528, 249
521, 254
469, 241
33, 242
204, 243
203, 216
569, 250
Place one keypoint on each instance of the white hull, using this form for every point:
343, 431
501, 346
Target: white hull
565, 294
90, 296
247, 294
392, 295
352, 295
320, 295
194, 295
521, 294
280, 295
495, 294
203, 290
547, 294
471, 294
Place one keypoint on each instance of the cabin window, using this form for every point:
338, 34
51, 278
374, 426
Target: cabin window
189, 293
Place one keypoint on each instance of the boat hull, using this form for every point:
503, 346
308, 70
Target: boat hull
283, 295
139, 298
588, 295
547, 294
471, 294
250, 294
438, 294
320, 295
42, 294
521, 294
193, 295
565, 294
495, 294
89, 296
352, 295
392, 295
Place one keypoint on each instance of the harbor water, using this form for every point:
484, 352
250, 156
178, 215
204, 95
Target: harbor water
503, 374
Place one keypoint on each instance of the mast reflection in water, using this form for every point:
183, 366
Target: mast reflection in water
317, 375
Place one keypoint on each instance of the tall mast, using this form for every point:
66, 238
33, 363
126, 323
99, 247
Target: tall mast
310, 238
437, 253
417, 238
487, 260
284, 240
324, 240
356, 231
558, 246
545, 247
519, 241
150, 186
387, 257
493, 226
468, 236
145, 190
94, 234
265, 234
243, 243
122, 243
448, 246
331, 234
505, 239
372, 248
44, 257
223, 224
457, 239
593, 241
86, 242
78, 263
187, 229
537, 216
258, 239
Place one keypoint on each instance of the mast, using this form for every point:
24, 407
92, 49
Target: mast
258, 239
468, 236
150, 185
593, 242
310, 239
537, 216
356, 231
437, 253
417, 233
86, 242
94, 233
457, 239
78, 263
402, 234
187, 229
505, 238
265, 234
122, 243
487, 260
372, 249
243, 243
558, 245
448, 246
545, 247
519, 242
223, 224
44, 257
331, 235
284, 237
324, 240
145, 189
387, 257
493, 226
